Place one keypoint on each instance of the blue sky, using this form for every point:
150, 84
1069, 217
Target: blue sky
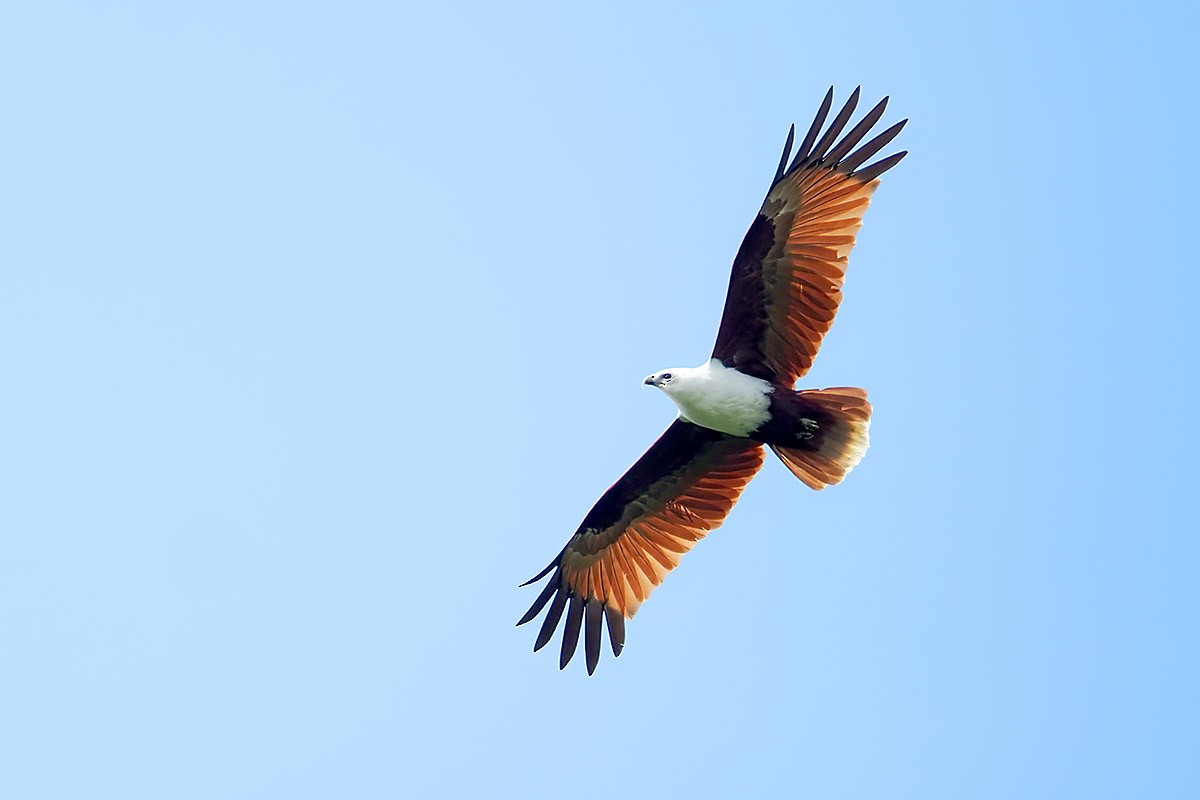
324, 324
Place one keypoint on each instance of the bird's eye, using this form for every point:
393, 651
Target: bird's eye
666, 376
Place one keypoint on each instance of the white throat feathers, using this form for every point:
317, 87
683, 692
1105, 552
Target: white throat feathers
715, 396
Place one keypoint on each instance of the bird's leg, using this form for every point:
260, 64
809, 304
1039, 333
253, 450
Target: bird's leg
808, 429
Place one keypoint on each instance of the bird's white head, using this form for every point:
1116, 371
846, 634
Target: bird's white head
668, 379
679, 383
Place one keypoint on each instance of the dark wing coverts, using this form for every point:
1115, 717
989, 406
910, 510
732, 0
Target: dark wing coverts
683, 487
787, 276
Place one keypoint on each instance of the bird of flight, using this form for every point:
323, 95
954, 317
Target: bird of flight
784, 291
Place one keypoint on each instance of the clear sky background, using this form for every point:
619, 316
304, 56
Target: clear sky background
323, 325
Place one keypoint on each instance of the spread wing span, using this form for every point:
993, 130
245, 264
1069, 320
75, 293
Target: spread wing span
787, 276
683, 487
784, 290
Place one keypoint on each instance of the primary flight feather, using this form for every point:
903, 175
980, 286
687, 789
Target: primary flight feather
784, 291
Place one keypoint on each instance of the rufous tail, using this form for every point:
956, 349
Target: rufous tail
840, 441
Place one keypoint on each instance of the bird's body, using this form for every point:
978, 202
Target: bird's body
784, 291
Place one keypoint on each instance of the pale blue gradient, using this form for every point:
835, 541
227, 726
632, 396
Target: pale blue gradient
323, 325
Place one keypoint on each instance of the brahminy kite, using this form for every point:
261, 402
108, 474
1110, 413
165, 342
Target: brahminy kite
784, 291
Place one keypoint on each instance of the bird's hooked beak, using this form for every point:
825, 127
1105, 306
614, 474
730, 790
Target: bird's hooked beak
650, 381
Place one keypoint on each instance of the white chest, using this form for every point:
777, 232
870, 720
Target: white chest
723, 399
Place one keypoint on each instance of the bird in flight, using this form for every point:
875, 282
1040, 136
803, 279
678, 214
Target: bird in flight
783, 294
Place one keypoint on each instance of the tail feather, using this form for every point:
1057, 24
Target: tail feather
839, 444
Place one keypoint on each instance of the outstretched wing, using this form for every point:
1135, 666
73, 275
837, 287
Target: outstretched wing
683, 487
787, 276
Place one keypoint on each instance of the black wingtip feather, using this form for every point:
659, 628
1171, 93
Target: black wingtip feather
591, 641
857, 132
867, 174
551, 621
787, 151
836, 158
616, 629
570, 638
813, 130
546, 571
856, 159
835, 127
541, 601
